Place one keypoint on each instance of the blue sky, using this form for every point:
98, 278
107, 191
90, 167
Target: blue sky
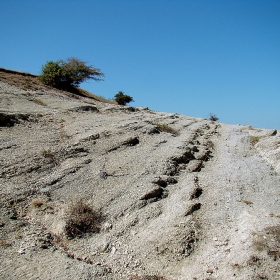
192, 57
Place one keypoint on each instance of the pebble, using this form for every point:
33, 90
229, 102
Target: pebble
113, 251
21, 251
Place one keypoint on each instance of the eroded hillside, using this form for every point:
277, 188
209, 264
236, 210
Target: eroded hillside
175, 197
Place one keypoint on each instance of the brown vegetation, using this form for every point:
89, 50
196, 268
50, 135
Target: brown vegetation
81, 219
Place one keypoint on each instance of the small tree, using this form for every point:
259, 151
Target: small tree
69, 73
123, 99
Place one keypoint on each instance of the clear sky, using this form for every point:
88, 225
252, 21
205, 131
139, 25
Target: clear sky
192, 57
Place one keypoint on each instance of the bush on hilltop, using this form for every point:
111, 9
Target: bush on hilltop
122, 99
68, 73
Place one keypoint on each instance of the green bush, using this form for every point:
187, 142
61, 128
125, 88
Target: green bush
213, 117
122, 99
52, 73
69, 73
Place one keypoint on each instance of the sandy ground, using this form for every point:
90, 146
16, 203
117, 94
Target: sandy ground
180, 197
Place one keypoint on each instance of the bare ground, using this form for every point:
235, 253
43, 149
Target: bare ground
178, 197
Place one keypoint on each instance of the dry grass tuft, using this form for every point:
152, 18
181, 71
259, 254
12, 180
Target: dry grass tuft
268, 241
248, 202
166, 128
81, 219
4, 243
36, 203
255, 140
94, 96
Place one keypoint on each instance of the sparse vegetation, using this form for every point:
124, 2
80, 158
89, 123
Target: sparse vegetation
213, 117
268, 241
166, 128
246, 201
36, 203
81, 219
138, 196
4, 243
85, 93
28, 82
122, 99
255, 140
253, 260
49, 155
275, 231
131, 109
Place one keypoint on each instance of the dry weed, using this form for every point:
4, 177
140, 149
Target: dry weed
4, 243
81, 219
36, 203
255, 140
166, 128
50, 155
248, 202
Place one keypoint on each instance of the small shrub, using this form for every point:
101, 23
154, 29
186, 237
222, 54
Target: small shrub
131, 109
123, 99
255, 140
81, 219
166, 128
213, 117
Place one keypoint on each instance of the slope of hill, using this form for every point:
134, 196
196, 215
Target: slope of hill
174, 197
